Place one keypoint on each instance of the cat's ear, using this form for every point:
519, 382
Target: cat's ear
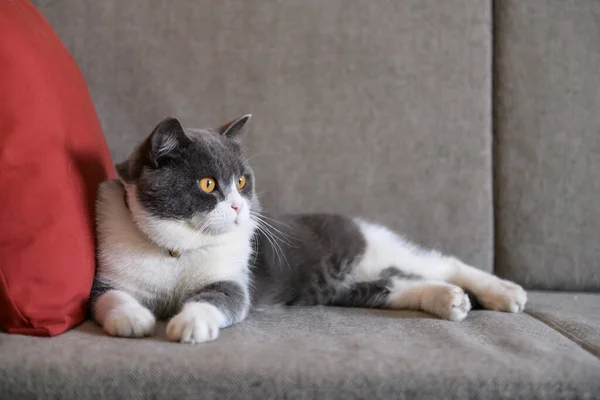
234, 128
166, 139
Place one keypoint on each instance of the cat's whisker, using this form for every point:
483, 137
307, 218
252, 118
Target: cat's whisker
262, 153
255, 247
254, 243
274, 242
266, 219
269, 237
271, 241
270, 219
255, 155
277, 233
284, 237
199, 228
279, 251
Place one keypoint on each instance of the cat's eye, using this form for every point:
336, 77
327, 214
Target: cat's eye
207, 184
241, 182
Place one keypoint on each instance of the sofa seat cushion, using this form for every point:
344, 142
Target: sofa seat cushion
310, 353
575, 315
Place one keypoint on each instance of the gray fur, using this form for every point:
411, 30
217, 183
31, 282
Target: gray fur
372, 294
98, 289
395, 272
311, 261
229, 297
166, 167
163, 306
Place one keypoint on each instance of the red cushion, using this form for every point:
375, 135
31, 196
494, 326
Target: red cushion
52, 157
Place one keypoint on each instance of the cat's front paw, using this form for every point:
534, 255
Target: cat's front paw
131, 320
502, 295
196, 323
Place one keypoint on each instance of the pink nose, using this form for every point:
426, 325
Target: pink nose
237, 207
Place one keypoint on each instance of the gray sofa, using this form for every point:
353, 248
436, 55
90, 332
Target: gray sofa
472, 126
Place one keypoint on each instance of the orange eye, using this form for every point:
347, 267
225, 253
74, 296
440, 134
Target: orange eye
207, 184
241, 182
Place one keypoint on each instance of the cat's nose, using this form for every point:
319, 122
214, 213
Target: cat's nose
237, 207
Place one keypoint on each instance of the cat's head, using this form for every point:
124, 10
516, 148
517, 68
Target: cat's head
184, 185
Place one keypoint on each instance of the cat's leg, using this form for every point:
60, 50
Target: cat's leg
386, 252
215, 306
119, 313
441, 299
492, 292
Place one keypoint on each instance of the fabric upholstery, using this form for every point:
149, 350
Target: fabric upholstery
52, 158
379, 109
547, 63
305, 353
575, 315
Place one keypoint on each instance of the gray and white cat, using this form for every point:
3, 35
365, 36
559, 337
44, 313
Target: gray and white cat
181, 236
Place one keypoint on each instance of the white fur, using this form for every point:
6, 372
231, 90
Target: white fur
196, 323
143, 269
122, 315
168, 145
385, 248
442, 299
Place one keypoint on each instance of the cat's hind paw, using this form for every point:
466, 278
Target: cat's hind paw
451, 303
196, 323
502, 295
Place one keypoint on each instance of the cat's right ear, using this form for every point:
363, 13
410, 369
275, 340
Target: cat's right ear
166, 139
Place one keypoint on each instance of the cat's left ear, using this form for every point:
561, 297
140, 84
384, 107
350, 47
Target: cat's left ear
234, 128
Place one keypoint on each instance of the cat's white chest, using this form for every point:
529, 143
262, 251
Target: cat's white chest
227, 262
130, 262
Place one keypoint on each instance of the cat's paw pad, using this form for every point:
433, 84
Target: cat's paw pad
196, 323
130, 321
501, 295
452, 303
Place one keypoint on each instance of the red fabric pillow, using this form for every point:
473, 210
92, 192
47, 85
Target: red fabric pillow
52, 158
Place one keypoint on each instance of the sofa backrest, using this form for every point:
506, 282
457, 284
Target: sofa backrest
547, 153
380, 109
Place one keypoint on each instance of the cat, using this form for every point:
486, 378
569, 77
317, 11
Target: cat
182, 237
